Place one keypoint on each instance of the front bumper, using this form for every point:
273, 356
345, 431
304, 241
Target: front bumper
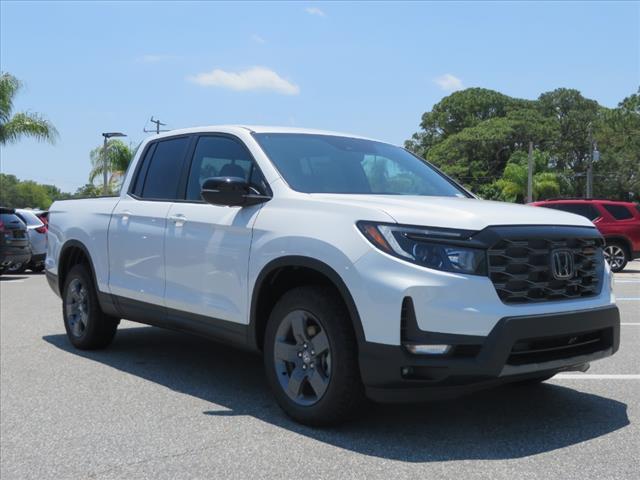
516, 348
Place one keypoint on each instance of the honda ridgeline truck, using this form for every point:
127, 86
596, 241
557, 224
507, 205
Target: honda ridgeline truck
356, 268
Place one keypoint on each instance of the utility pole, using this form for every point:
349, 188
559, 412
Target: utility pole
593, 157
105, 160
530, 174
157, 123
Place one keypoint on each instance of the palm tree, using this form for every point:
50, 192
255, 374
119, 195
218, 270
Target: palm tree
13, 126
119, 156
513, 184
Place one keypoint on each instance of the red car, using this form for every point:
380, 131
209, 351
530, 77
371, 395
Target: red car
618, 222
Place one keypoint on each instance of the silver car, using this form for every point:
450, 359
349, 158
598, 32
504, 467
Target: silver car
37, 232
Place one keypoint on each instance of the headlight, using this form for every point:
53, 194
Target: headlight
437, 248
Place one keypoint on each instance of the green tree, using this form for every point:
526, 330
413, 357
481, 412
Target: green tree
88, 190
14, 126
119, 156
513, 184
617, 174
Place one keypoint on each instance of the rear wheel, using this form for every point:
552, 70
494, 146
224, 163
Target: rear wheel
17, 268
310, 356
616, 255
87, 326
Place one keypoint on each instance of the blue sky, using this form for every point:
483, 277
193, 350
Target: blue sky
366, 68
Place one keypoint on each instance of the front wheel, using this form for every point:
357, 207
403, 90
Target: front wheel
310, 357
616, 255
87, 327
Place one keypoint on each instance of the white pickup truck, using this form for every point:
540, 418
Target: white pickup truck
356, 268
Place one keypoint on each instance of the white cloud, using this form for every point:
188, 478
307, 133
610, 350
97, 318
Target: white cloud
254, 78
315, 11
258, 39
448, 82
155, 58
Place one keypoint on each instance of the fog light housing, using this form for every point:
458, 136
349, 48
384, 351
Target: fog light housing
428, 349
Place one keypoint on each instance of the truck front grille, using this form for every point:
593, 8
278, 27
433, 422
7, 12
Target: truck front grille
521, 269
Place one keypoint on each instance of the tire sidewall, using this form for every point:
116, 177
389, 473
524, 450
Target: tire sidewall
626, 257
94, 317
328, 314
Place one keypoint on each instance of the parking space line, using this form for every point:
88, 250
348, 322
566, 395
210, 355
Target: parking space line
595, 376
627, 281
628, 298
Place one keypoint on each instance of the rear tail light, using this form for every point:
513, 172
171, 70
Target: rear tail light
42, 229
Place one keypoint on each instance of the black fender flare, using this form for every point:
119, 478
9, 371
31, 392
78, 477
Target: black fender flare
313, 264
106, 302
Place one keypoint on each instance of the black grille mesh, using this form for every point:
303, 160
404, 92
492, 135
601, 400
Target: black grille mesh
521, 269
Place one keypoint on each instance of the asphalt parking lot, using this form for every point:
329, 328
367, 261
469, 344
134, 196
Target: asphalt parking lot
158, 405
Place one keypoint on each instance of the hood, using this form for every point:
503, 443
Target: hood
453, 212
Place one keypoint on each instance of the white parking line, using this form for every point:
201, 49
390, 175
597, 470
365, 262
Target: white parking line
628, 299
627, 281
629, 323
594, 376
12, 281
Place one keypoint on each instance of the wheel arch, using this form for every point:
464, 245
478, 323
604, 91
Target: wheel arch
74, 252
308, 271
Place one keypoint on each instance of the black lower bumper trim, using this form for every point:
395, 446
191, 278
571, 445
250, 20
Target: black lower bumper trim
391, 373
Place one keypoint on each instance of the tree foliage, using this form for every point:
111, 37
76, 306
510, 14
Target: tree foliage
14, 126
119, 156
477, 134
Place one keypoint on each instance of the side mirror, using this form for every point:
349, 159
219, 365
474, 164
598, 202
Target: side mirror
230, 191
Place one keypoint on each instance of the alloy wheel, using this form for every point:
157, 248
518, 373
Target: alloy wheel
77, 307
302, 358
615, 256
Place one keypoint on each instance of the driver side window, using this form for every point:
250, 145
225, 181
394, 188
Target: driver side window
221, 157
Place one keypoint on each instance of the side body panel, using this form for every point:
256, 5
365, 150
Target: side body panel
85, 221
136, 250
206, 257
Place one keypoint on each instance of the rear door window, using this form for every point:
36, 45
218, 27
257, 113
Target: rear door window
619, 212
162, 176
584, 209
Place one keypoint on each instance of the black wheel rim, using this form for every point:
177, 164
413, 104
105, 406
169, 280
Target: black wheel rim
77, 307
615, 256
302, 358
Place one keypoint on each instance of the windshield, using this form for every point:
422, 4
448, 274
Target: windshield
332, 164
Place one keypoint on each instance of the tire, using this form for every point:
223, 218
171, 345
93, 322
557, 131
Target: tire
616, 255
533, 380
17, 268
316, 388
88, 328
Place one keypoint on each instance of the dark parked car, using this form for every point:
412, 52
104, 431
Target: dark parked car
618, 222
14, 241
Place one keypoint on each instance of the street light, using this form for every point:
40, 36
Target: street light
107, 136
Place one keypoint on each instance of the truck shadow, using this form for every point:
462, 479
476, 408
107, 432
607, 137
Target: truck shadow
498, 424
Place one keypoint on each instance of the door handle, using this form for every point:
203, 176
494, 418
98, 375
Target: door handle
125, 215
178, 219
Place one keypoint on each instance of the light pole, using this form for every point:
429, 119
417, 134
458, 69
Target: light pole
105, 163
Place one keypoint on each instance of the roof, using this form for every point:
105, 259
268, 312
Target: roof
259, 129
583, 200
